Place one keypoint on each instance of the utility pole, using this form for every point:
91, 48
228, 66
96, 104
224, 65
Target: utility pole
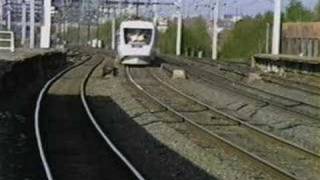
23, 23
46, 28
88, 27
66, 22
155, 11
79, 29
212, 15
267, 38
215, 31
98, 22
113, 30
120, 8
9, 15
61, 18
1, 11
179, 28
32, 22
81, 9
276, 27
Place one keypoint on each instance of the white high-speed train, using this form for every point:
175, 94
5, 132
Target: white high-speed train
136, 42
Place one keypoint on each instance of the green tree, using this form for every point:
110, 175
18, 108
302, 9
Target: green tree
247, 38
194, 36
317, 12
167, 40
296, 12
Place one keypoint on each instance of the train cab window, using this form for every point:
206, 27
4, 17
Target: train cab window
137, 36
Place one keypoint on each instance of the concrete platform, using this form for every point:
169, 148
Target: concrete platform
289, 58
25, 65
281, 64
22, 54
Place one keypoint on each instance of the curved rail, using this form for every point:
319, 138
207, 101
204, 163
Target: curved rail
98, 128
210, 133
41, 96
37, 114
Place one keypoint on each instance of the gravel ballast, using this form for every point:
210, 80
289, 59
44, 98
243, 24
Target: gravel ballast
295, 128
154, 140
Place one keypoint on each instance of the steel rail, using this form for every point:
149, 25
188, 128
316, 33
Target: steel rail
237, 120
254, 88
41, 96
99, 129
288, 83
268, 100
210, 133
259, 98
264, 92
314, 90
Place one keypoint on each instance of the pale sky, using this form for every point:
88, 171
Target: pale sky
246, 7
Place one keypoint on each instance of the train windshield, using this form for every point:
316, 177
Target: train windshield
138, 36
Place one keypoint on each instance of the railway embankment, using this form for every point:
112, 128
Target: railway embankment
23, 68
22, 76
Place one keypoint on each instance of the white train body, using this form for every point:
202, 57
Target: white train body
136, 42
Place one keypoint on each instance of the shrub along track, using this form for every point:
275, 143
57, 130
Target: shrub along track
71, 143
272, 154
235, 85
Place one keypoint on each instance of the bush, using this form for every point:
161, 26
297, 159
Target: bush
247, 38
194, 36
167, 40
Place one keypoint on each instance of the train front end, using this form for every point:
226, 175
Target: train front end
136, 43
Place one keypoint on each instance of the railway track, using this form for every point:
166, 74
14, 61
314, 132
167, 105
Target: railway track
307, 88
273, 154
242, 69
288, 104
71, 143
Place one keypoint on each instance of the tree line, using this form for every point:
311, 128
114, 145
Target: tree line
249, 35
244, 40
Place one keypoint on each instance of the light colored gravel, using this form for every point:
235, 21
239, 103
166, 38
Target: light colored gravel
300, 130
290, 93
153, 143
